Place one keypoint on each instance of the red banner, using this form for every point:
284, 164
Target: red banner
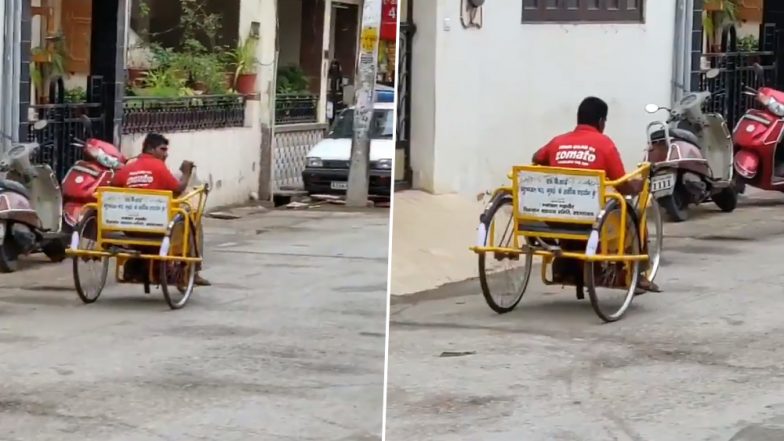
389, 20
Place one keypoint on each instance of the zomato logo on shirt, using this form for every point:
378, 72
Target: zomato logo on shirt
582, 155
139, 179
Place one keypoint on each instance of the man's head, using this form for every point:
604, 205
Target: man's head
156, 145
592, 112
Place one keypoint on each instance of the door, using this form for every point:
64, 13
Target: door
345, 34
77, 29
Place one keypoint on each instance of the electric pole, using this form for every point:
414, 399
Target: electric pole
365, 79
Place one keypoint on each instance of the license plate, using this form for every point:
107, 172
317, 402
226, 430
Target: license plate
662, 185
339, 185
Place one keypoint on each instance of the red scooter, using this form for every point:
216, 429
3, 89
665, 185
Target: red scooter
101, 161
759, 157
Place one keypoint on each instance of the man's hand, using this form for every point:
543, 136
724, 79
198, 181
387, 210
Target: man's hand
186, 167
631, 188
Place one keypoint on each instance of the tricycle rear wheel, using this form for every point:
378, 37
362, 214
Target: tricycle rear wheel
513, 292
88, 235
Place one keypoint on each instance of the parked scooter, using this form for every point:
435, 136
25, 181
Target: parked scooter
30, 208
691, 155
759, 158
101, 161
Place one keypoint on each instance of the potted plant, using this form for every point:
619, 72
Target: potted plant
718, 15
139, 62
244, 60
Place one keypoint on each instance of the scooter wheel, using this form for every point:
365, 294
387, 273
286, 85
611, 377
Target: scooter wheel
8, 258
55, 250
726, 199
676, 207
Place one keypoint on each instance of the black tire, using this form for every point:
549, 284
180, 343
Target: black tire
589, 273
88, 227
726, 199
173, 268
8, 255
486, 220
55, 250
676, 205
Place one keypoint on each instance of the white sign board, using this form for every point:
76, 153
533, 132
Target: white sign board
135, 211
547, 195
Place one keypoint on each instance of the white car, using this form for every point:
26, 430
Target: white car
327, 163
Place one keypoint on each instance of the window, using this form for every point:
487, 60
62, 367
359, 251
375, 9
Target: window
381, 126
591, 11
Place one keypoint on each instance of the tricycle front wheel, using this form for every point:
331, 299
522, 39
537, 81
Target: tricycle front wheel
616, 280
178, 274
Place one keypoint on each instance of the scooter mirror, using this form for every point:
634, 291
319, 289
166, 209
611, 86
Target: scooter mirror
713, 73
40, 124
651, 108
759, 71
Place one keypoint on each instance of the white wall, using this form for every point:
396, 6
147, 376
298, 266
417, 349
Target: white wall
423, 93
503, 91
228, 159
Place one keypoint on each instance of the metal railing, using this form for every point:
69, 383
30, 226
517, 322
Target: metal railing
293, 108
736, 70
55, 139
185, 114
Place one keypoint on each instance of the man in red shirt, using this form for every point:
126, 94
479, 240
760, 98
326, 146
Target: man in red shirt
587, 147
149, 171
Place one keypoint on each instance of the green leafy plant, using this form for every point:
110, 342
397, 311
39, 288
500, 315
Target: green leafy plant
714, 21
243, 57
749, 43
292, 80
76, 95
42, 72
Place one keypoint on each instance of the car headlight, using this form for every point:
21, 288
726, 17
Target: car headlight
315, 162
384, 164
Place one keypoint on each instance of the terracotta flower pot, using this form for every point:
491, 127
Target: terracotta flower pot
230, 80
200, 86
246, 83
136, 75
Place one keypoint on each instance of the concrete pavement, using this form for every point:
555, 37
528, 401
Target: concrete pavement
700, 361
287, 344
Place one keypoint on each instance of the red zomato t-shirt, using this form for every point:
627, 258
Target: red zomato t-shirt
584, 148
148, 172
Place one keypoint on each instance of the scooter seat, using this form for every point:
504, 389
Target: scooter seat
679, 134
15, 187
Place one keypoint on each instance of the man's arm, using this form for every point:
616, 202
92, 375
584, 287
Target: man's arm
171, 183
614, 170
541, 155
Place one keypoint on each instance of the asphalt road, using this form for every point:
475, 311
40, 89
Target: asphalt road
287, 344
702, 360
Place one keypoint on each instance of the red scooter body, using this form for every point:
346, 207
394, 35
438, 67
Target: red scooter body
102, 159
756, 137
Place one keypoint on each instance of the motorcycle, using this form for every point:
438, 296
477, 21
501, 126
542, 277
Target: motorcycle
759, 160
101, 161
30, 208
691, 156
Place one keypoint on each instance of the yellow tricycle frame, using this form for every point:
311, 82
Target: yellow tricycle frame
523, 231
106, 241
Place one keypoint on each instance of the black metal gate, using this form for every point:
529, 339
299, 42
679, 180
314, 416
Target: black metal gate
736, 71
407, 30
65, 122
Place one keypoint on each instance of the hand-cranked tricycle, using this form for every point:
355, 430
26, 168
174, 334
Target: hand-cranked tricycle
155, 239
589, 236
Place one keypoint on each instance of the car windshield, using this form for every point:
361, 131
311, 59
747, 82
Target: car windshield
381, 126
